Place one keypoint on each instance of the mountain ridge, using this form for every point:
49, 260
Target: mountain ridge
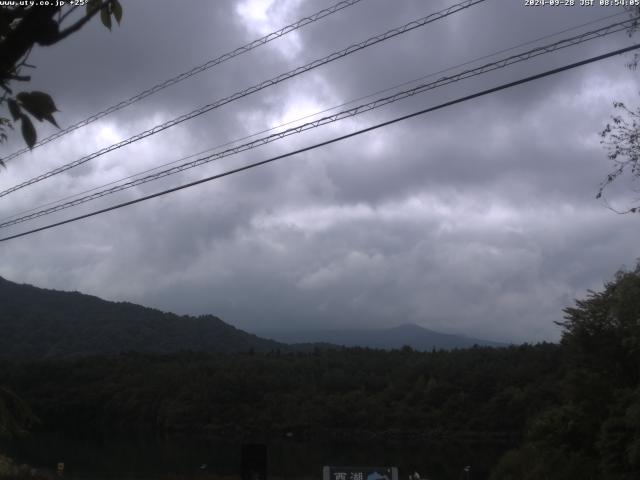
39, 324
408, 334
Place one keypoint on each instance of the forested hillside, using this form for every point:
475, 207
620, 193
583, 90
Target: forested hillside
43, 324
38, 324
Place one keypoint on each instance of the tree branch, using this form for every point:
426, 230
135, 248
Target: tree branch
67, 13
37, 22
37, 26
80, 23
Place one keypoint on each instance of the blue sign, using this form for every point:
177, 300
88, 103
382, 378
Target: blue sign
359, 473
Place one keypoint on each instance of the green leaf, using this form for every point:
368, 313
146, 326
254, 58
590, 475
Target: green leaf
49, 118
28, 131
92, 5
116, 9
105, 16
41, 98
38, 104
14, 109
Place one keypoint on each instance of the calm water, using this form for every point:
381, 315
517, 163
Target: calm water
175, 458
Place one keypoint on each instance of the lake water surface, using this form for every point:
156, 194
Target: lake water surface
195, 458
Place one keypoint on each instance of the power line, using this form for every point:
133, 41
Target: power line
267, 83
333, 140
190, 73
542, 50
255, 134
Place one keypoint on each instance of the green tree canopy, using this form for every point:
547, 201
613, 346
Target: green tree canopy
603, 330
594, 431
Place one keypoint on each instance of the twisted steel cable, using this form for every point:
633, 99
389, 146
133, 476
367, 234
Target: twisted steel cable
243, 93
349, 102
330, 141
488, 67
190, 73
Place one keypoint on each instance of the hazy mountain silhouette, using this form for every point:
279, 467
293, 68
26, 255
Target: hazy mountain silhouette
415, 336
37, 323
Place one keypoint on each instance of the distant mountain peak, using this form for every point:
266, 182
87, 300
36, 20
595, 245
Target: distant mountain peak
411, 334
410, 327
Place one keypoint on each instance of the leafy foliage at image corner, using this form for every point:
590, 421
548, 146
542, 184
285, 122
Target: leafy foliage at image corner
38, 104
621, 137
22, 28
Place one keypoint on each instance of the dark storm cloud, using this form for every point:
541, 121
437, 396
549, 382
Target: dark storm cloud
478, 219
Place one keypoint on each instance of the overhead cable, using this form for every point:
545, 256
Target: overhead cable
190, 73
535, 52
260, 86
335, 107
333, 140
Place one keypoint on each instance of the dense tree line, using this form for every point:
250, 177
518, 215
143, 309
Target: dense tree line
483, 392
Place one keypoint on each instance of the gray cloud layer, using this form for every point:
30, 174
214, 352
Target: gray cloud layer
479, 219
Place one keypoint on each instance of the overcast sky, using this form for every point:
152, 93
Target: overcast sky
479, 219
